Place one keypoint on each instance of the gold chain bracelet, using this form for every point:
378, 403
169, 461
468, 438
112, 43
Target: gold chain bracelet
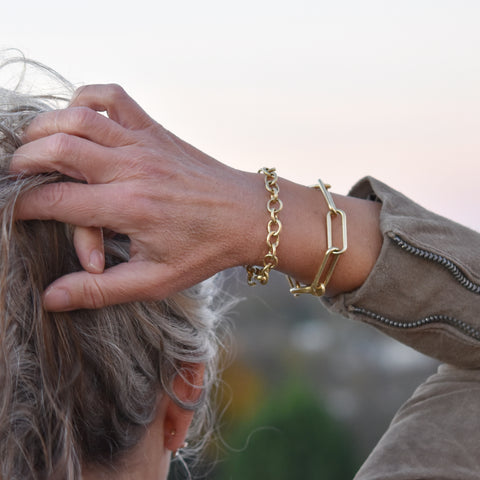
274, 205
332, 255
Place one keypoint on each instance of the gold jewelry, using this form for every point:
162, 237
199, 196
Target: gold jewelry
274, 205
332, 255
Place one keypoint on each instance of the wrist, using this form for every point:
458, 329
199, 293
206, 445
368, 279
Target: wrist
260, 274
249, 216
303, 238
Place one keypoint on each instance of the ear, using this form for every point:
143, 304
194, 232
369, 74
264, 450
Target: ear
187, 387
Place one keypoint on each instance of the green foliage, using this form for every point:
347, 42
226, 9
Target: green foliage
292, 436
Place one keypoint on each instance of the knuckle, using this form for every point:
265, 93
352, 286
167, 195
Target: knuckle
93, 294
54, 194
82, 116
115, 92
60, 145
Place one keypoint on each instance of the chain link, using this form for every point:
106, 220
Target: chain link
274, 206
319, 285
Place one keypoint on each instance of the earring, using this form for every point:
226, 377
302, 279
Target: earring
176, 453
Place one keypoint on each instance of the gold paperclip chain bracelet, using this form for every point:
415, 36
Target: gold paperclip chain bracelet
332, 255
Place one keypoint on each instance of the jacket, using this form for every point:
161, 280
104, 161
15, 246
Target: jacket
424, 291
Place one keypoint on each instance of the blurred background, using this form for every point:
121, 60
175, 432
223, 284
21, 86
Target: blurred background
308, 394
316, 88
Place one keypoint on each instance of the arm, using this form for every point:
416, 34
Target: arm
187, 215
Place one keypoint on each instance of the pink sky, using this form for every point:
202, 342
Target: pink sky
314, 87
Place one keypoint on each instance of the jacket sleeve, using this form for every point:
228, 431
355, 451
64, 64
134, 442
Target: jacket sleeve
425, 287
435, 435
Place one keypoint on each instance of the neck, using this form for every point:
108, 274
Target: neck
149, 460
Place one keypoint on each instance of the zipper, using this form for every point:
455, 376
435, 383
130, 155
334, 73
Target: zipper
457, 274
444, 319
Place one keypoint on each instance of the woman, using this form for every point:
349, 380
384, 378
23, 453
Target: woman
108, 393
408, 272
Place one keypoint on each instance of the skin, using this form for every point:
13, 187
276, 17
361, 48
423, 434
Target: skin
187, 215
150, 459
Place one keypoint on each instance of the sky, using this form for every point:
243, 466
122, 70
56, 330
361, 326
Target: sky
332, 89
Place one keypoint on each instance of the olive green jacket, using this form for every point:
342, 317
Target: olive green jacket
425, 292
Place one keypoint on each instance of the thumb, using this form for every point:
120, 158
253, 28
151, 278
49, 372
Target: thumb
127, 282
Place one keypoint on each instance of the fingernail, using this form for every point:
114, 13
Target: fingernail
57, 299
97, 261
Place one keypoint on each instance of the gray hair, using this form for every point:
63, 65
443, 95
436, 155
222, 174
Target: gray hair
81, 387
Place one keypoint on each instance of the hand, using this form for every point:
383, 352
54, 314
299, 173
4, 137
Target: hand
185, 213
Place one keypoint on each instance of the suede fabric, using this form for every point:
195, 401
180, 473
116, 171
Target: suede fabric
435, 435
426, 295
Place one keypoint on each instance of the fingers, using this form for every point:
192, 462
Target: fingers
74, 203
88, 244
127, 282
114, 100
79, 121
73, 156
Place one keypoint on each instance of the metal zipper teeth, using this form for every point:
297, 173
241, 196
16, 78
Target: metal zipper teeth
443, 319
444, 262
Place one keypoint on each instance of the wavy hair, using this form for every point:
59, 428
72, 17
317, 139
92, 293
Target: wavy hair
80, 387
